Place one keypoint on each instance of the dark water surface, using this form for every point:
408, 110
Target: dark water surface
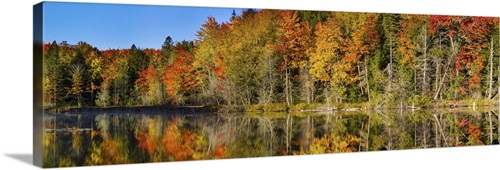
117, 138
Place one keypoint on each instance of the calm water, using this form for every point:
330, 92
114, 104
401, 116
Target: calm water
117, 138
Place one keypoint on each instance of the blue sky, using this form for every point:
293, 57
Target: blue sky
119, 26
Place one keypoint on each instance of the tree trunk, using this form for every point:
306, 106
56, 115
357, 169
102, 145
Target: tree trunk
490, 78
453, 52
290, 89
287, 134
289, 125
436, 134
55, 134
440, 127
415, 134
491, 129
456, 136
287, 88
361, 137
271, 90
305, 86
55, 94
367, 80
291, 133
425, 134
415, 81
438, 67
390, 60
360, 87
326, 92
312, 89
368, 135
424, 81
424, 84
92, 96
389, 144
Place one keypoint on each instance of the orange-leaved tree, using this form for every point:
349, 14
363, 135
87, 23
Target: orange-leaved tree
181, 78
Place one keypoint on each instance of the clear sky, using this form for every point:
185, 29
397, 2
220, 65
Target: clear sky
119, 26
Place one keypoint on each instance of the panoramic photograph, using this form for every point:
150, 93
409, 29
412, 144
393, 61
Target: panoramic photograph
126, 84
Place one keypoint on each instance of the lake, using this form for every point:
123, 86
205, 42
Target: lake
135, 137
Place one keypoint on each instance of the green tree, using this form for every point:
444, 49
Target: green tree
53, 75
77, 87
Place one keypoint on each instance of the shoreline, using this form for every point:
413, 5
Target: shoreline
277, 107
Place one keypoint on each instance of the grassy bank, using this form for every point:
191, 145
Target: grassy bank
279, 107
304, 107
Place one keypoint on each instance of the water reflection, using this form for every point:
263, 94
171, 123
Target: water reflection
118, 138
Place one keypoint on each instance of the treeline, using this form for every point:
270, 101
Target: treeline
285, 56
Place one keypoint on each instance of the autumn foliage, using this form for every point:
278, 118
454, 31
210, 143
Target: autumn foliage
278, 56
146, 77
181, 76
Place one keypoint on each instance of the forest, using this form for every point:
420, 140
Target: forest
289, 59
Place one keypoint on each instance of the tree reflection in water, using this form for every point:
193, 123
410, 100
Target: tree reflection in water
104, 139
